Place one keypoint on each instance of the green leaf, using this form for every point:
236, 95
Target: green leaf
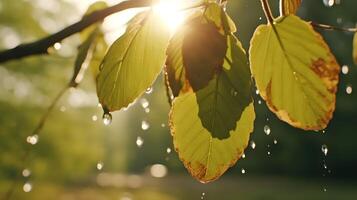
210, 125
205, 157
295, 72
288, 7
133, 62
98, 52
355, 48
203, 51
83, 58
92, 8
175, 73
223, 101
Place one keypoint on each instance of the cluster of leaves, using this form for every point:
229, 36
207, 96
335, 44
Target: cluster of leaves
209, 78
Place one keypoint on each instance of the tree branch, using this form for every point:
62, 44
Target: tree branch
41, 46
333, 28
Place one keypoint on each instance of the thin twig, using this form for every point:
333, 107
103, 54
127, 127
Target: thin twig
333, 28
267, 11
36, 131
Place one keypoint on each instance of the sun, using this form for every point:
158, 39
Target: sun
171, 12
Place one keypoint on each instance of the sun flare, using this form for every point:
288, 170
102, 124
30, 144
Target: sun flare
171, 12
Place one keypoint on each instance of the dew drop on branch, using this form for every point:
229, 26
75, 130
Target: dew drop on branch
243, 171
94, 118
100, 165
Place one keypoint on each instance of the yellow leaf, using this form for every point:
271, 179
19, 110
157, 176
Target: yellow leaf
295, 72
288, 7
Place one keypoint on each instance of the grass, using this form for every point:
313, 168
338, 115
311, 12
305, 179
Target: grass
185, 188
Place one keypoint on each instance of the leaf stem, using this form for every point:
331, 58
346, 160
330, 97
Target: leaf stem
267, 11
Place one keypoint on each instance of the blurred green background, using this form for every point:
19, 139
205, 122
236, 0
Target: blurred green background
77, 157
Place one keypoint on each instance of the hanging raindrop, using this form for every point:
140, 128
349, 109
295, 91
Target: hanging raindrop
107, 119
149, 90
252, 144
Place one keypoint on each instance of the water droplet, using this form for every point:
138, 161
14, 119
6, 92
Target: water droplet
275, 141
257, 91
145, 125
26, 173
163, 125
168, 150
99, 105
345, 69
268, 153
139, 141
260, 18
243, 171
243, 155
94, 118
267, 130
27, 187
33, 139
149, 90
57, 46
147, 110
203, 195
324, 149
158, 170
349, 89
324, 189
259, 102
100, 165
325, 166
252, 144
328, 3
107, 119
144, 103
